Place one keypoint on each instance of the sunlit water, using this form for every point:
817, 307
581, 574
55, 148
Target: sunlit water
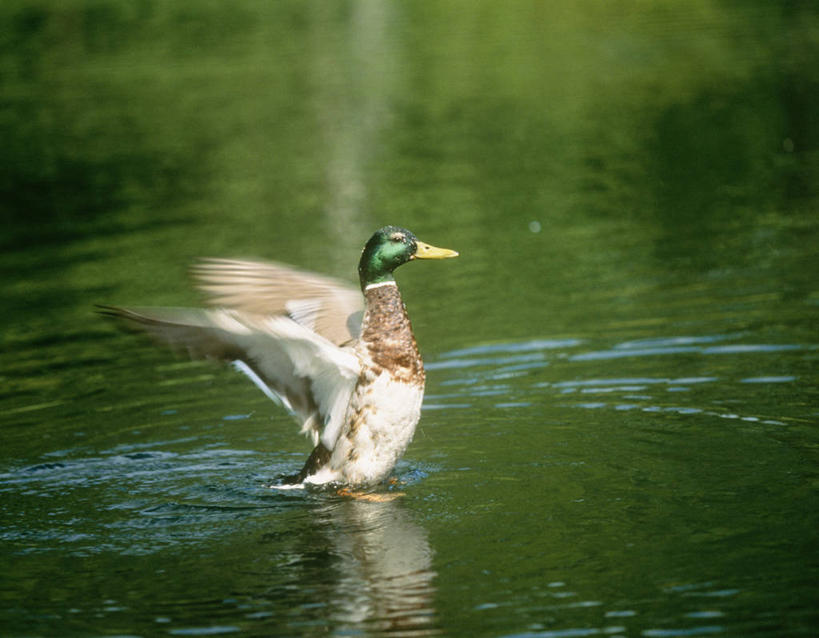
546, 493
619, 432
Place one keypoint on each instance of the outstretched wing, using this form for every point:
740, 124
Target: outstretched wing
331, 308
313, 377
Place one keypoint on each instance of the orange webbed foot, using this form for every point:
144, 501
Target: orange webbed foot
368, 497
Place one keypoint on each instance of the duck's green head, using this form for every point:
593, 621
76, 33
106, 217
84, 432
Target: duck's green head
390, 247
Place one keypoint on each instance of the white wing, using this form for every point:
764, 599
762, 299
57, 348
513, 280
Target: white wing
314, 377
332, 371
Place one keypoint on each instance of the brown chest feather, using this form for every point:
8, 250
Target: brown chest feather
387, 335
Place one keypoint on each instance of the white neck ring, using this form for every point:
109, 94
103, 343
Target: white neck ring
378, 285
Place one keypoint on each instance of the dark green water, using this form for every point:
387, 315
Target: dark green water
620, 429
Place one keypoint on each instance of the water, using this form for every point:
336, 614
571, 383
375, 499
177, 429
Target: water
619, 433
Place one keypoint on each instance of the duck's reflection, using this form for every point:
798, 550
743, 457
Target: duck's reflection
384, 567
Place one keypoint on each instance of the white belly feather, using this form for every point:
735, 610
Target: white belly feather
381, 420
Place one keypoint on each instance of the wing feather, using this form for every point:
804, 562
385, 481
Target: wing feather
327, 306
314, 377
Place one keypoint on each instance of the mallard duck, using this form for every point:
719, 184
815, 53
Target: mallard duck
349, 372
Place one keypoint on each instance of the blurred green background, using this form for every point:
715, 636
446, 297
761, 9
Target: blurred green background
641, 138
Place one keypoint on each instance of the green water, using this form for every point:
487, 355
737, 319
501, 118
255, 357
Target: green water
619, 436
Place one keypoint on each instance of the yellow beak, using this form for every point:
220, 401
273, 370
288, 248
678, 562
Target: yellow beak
425, 251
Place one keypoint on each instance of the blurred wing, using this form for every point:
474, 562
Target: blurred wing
333, 371
313, 377
329, 307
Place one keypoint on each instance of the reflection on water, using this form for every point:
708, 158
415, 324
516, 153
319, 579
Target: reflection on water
352, 565
383, 578
352, 111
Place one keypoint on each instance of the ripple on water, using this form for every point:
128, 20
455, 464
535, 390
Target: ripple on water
151, 498
525, 374
686, 345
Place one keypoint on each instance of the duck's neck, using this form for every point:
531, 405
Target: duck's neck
386, 333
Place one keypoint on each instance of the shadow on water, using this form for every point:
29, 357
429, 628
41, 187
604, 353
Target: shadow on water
59, 184
711, 185
81, 161
58, 190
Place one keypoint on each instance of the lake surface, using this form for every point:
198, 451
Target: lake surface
619, 435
